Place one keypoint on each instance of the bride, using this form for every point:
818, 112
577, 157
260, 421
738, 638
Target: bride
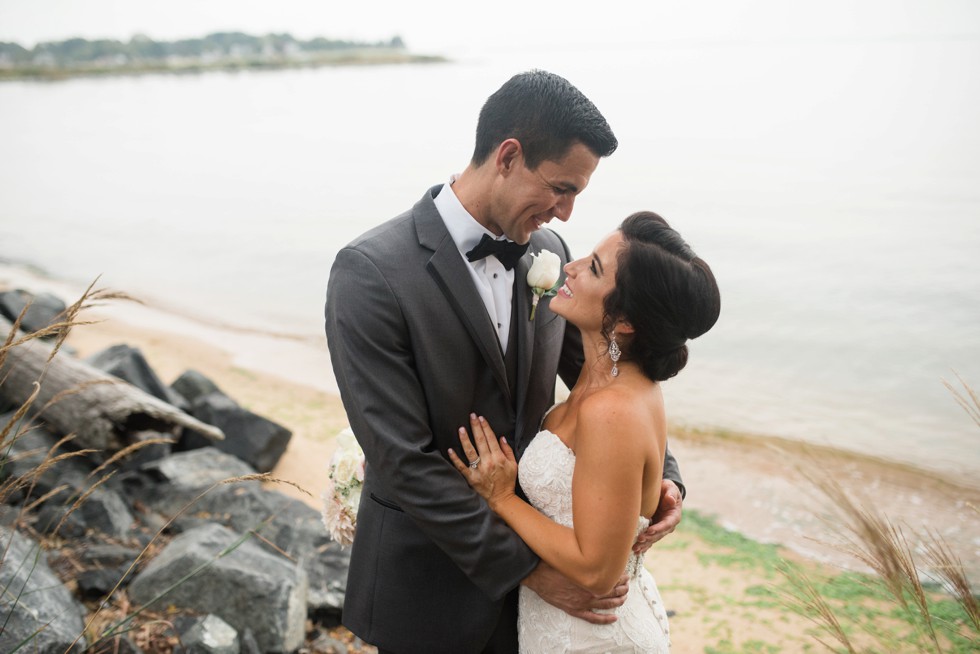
594, 470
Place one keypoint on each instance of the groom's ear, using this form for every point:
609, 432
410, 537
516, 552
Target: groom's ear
509, 154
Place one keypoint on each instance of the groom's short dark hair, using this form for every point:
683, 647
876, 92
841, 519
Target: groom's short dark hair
546, 114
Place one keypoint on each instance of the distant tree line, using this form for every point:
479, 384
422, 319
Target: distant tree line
142, 50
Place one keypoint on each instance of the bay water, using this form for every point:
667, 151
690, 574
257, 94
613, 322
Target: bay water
833, 186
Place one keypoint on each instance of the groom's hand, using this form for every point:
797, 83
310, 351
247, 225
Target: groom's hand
665, 520
557, 590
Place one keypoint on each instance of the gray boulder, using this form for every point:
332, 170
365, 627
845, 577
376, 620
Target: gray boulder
27, 450
256, 440
287, 525
107, 554
192, 385
35, 601
165, 487
168, 484
129, 364
103, 511
96, 583
54, 518
197, 469
249, 646
46, 309
232, 577
106, 512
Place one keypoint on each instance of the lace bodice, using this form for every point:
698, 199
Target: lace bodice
545, 474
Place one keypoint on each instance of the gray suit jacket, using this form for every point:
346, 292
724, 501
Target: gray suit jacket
414, 352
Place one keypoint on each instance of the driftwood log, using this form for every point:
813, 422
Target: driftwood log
76, 398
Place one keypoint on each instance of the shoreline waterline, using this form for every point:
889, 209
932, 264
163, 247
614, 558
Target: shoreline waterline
304, 360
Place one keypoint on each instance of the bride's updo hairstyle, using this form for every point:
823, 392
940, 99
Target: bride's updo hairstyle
664, 291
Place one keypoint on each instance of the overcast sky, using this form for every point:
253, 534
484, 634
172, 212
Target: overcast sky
435, 25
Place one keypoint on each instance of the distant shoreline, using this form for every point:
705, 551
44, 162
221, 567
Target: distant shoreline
220, 51
357, 58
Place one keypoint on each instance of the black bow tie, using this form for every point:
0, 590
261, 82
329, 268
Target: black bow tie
507, 252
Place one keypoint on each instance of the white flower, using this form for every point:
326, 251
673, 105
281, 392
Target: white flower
545, 271
345, 470
347, 442
543, 276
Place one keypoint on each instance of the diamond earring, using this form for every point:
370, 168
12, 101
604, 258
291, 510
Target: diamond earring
614, 354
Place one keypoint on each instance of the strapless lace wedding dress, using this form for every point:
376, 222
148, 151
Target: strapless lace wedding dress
546, 477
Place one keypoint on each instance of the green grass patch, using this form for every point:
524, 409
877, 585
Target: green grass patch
868, 613
741, 552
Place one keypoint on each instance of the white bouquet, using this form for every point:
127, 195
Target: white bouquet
343, 493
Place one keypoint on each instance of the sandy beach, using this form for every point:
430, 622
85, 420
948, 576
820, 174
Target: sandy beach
753, 485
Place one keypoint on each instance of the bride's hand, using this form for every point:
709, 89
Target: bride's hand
491, 467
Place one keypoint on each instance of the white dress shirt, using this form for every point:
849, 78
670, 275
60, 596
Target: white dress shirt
494, 282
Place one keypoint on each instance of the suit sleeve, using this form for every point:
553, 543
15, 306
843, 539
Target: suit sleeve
373, 361
569, 366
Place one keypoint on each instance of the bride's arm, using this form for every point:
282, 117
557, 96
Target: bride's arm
611, 450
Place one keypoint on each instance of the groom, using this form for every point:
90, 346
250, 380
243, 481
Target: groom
428, 319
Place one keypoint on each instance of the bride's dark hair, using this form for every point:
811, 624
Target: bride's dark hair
664, 291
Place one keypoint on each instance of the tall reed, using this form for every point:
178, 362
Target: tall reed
884, 546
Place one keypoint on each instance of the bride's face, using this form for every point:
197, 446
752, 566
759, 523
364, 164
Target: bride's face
589, 280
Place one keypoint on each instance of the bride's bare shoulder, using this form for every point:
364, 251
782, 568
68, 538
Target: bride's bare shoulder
625, 409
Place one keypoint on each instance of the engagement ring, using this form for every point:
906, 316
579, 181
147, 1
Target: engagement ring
475, 462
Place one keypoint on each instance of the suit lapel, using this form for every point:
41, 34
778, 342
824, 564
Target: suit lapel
524, 329
450, 273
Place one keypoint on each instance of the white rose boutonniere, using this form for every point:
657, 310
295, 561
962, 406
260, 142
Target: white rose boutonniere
343, 493
543, 276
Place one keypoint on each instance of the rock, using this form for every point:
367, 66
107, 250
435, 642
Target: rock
147, 453
328, 645
97, 582
235, 579
103, 511
45, 309
288, 525
9, 515
107, 554
53, 516
192, 385
105, 565
298, 530
129, 364
35, 598
209, 635
197, 469
249, 645
256, 440
167, 485
106, 512
27, 452
30, 456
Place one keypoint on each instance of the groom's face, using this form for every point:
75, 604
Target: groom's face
529, 198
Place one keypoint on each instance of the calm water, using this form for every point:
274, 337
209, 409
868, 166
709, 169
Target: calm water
833, 186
